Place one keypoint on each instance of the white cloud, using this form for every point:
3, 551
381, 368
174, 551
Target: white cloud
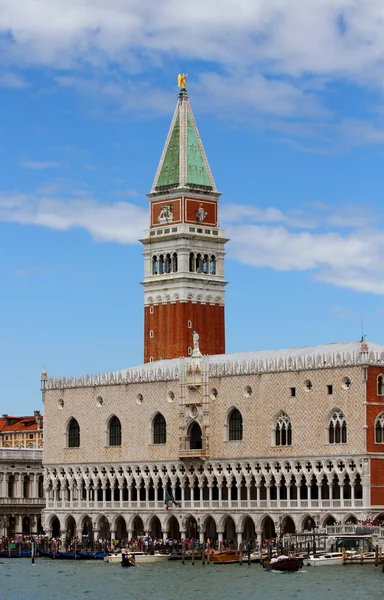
38, 165
254, 57
120, 222
352, 257
13, 81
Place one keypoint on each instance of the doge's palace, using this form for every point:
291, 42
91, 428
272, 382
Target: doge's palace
196, 442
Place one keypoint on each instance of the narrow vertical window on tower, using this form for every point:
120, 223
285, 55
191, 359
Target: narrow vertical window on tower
191, 262
155, 266
380, 385
199, 264
205, 263
174, 262
212, 265
161, 264
168, 264
379, 429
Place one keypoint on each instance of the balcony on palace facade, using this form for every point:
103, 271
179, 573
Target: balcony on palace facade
204, 504
357, 529
193, 453
23, 502
15, 454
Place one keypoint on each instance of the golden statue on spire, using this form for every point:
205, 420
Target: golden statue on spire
182, 80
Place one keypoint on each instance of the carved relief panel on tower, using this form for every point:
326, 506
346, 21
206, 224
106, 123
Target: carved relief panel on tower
165, 212
200, 211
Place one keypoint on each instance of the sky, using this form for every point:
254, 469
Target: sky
289, 101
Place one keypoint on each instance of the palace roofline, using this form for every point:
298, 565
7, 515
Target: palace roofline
337, 354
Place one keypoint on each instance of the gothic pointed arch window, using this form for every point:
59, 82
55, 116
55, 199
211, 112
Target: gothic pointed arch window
379, 429
235, 425
380, 385
283, 430
115, 432
195, 437
337, 428
159, 430
73, 434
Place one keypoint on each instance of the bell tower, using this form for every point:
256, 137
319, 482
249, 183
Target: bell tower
183, 248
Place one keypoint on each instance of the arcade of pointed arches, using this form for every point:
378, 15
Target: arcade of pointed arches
215, 527
315, 485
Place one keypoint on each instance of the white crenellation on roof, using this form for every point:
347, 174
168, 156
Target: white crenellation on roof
241, 363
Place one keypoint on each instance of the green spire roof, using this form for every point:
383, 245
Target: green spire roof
183, 163
170, 169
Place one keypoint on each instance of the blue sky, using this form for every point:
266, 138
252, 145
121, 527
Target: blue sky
288, 98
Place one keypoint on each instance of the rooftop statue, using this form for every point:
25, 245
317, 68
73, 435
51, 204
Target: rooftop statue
182, 80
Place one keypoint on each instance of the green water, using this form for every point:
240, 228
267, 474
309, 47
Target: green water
66, 580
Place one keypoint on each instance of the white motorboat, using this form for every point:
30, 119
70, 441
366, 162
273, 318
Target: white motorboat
330, 558
140, 557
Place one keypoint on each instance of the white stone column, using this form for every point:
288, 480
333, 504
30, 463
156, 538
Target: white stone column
278, 487
289, 494
248, 486
220, 538
353, 481
182, 534
268, 493
220, 491
165, 535
259, 535
113, 537
258, 494
239, 539
309, 499
18, 523
330, 491
201, 536
210, 495
33, 521
182, 494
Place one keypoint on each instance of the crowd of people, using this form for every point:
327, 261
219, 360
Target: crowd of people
19, 542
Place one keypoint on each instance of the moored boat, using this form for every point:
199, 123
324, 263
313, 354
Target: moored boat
329, 558
140, 557
225, 558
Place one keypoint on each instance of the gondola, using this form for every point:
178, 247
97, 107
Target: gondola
128, 561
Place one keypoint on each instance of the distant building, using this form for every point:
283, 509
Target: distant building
257, 443
21, 474
21, 432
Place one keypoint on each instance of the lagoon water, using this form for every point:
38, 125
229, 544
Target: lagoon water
67, 580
